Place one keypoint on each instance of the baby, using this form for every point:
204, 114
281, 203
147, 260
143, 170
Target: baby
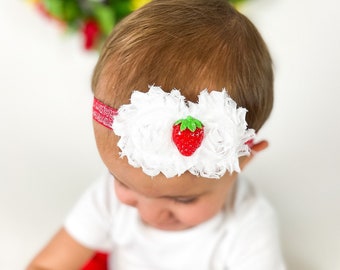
181, 88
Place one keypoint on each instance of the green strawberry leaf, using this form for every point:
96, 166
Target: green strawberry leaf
178, 122
198, 123
189, 123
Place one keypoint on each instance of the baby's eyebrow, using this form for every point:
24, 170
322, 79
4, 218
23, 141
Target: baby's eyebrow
190, 196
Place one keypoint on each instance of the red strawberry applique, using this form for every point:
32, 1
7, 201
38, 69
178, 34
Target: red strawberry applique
187, 135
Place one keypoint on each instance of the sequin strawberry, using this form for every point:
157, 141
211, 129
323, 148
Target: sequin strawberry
187, 134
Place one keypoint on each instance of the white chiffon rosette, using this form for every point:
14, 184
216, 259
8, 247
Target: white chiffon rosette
145, 130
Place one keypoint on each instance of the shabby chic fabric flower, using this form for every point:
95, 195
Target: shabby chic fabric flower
145, 129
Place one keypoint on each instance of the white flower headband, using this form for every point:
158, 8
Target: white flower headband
161, 132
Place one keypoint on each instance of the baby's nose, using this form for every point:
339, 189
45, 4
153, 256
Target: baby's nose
154, 211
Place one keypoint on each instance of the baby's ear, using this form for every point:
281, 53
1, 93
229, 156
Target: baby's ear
254, 149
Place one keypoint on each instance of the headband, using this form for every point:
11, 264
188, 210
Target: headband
103, 113
161, 132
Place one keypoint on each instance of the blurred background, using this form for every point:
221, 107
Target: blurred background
48, 154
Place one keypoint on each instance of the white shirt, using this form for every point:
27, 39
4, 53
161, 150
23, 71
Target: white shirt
243, 239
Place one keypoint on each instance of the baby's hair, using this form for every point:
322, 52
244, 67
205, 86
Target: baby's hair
189, 45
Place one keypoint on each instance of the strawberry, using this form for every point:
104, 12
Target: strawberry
187, 134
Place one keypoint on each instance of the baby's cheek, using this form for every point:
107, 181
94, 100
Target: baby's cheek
196, 215
125, 196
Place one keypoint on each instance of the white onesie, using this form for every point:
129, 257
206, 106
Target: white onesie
244, 239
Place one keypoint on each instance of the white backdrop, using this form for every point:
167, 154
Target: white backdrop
48, 154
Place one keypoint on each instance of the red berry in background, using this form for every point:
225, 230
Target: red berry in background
187, 134
91, 33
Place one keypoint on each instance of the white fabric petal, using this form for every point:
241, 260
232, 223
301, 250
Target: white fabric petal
145, 130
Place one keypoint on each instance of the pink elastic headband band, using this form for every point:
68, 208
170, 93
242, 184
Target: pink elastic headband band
103, 113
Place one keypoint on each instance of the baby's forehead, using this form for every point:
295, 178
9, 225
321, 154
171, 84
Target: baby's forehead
160, 186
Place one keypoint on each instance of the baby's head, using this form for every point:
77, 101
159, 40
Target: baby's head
188, 45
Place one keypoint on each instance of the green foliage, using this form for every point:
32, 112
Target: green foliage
73, 11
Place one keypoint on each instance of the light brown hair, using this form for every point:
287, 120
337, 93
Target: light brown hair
189, 45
